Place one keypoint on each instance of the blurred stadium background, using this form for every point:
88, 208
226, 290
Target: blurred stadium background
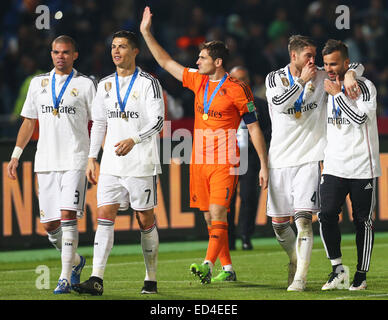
256, 32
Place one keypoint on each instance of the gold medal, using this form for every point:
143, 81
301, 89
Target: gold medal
123, 116
205, 116
55, 112
298, 114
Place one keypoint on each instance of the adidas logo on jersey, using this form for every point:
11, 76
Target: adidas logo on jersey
368, 186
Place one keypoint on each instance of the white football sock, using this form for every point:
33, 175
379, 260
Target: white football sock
286, 238
55, 237
103, 244
150, 247
69, 246
210, 264
77, 259
336, 261
227, 267
304, 244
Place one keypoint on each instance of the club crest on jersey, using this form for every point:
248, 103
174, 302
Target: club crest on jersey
285, 82
135, 95
310, 87
108, 86
44, 82
41, 213
74, 92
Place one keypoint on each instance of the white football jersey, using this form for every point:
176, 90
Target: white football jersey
297, 139
144, 119
63, 139
352, 149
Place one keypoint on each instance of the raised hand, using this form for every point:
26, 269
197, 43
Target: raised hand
146, 22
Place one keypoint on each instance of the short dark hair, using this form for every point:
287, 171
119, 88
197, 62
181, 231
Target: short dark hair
132, 38
66, 39
216, 49
298, 42
335, 45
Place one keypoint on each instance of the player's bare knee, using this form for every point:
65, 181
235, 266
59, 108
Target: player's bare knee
208, 218
67, 214
218, 213
145, 219
108, 212
51, 225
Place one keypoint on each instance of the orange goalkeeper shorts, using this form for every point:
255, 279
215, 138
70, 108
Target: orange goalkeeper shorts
212, 184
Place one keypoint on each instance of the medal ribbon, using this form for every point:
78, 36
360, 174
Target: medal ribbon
206, 104
336, 111
56, 100
123, 103
299, 101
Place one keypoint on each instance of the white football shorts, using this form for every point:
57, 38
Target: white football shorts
137, 192
293, 189
61, 190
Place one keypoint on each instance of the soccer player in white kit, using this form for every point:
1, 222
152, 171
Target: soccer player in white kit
61, 101
296, 100
351, 166
129, 109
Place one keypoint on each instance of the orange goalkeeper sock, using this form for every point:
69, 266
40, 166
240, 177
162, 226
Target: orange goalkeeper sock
218, 236
224, 254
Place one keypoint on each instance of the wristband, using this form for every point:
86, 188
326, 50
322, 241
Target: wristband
17, 152
136, 139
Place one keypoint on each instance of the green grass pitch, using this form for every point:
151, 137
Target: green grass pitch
261, 273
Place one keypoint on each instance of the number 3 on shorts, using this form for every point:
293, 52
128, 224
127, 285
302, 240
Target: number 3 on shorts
76, 195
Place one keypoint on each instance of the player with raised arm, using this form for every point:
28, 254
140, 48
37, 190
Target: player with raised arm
61, 100
296, 100
220, 104
129, 110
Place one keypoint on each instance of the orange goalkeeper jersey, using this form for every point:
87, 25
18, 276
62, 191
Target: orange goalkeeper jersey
215, 138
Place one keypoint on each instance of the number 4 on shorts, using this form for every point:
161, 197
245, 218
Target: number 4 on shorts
314, 197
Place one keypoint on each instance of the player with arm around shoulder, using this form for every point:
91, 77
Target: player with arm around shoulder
351, 166
296, 100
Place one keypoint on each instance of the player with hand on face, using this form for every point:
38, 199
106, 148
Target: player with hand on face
297, 106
